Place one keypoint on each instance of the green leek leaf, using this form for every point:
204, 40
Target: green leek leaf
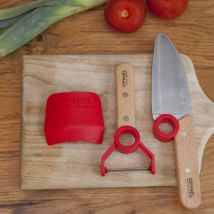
36, 21
23, 8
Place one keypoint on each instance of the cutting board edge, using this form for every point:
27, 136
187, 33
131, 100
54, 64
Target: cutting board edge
25, 187
210, 131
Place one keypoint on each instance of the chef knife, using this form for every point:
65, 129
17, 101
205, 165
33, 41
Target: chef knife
170, 95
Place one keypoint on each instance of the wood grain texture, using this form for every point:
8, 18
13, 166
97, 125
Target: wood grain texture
186, 150
87, 33
60, 166
125, 103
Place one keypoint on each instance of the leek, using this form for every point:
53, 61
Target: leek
23, 23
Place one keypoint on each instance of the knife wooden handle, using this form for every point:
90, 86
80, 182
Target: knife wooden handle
186, 150
125, 95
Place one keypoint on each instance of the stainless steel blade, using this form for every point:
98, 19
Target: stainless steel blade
170, 93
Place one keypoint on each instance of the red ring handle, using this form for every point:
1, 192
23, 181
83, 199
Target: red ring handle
126, 130
171, 120
127, 149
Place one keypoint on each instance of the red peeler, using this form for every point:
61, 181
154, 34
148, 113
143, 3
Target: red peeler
126, 120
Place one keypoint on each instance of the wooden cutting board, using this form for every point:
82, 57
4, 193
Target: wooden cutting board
77, 165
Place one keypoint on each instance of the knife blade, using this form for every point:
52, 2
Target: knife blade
170, 95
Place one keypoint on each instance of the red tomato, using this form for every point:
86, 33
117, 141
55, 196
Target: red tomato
167, 9
125, 15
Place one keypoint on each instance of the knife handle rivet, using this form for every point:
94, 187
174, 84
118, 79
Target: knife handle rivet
184, 134
125, 94
188, 170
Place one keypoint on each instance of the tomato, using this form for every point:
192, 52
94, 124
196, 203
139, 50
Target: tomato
167, 9
125, 15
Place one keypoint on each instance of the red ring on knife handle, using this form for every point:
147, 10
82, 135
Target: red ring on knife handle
171, 120
127, 149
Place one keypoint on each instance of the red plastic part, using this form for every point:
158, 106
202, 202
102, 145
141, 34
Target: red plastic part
117, 146
74, 117
172, 121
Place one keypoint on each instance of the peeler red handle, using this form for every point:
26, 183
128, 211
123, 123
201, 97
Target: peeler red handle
126, 130
117, 146
172, 121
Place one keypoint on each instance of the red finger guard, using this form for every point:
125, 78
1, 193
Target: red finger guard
127, 149
74, 117
172, 121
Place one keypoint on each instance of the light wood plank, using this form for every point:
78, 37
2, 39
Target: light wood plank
60, 166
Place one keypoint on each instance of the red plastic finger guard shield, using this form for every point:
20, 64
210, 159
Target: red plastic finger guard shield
74, 117
172, 121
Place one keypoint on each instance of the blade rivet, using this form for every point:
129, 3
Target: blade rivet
184, 134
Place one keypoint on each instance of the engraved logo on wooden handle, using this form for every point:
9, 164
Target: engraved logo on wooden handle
124, 78
190, 188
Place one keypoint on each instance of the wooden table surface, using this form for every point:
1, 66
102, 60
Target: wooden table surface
193, 34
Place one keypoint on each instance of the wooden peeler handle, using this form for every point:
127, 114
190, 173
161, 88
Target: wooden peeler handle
125, 95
